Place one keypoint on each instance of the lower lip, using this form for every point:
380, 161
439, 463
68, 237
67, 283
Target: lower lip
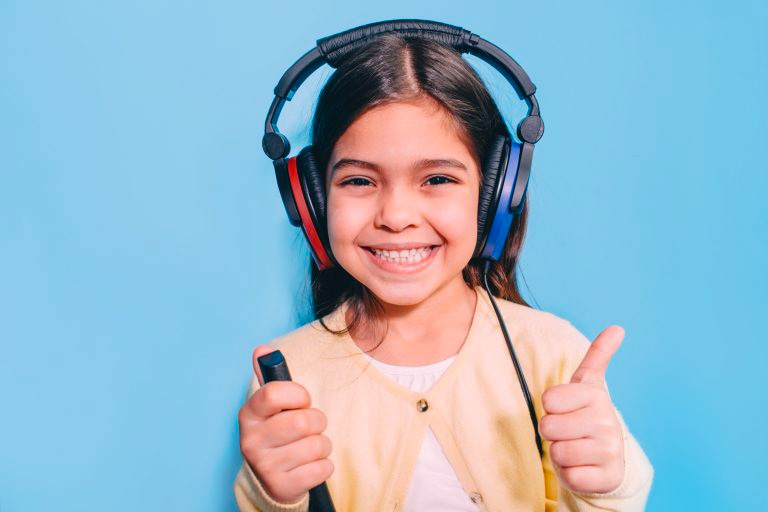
405, 268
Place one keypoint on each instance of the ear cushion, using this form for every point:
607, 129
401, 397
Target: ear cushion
313, 185
314, 180
492, 180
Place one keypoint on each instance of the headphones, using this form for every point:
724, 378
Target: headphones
506, 168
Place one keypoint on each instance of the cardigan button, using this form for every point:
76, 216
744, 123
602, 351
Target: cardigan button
422, 405
476, 497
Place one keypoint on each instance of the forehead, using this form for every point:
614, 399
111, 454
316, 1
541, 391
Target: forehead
398, 133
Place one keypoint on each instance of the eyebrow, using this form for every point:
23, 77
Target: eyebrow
424, 163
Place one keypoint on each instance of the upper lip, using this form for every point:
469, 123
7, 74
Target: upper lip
399, 247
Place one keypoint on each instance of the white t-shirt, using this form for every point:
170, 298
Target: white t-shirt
434, 486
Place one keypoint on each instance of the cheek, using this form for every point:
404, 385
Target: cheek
457, 222
343, 224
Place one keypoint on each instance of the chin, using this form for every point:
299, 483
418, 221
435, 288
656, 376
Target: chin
402, 293
401, 297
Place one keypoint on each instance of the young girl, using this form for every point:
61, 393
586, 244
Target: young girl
404, 394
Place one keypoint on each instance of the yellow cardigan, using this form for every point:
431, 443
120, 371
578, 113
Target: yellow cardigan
476, 410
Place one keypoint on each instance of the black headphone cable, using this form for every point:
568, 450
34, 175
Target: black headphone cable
520, 376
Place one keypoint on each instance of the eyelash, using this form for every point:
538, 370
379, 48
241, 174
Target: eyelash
356, 181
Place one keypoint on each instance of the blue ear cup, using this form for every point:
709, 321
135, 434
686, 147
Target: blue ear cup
489, 191
502, 196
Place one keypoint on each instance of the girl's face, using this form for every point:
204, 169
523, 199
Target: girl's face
402, 201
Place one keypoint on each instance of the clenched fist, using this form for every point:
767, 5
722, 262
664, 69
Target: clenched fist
587, 443
281, 437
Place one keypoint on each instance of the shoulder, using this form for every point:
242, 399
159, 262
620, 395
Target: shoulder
309, 341
544, 338
319, 352
542, 323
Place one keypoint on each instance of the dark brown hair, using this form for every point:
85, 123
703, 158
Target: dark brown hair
394, 68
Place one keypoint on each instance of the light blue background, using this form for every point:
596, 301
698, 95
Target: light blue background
144, 251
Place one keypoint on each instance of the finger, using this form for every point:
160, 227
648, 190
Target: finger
293, 485
565, 398
259, 351
593, 366
577, 452
296, 454
277, 396
312, 474
564, 427
288, 426
590, 479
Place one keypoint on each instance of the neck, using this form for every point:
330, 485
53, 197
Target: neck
422, 333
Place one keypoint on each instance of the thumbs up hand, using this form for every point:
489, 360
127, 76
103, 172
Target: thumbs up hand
587, 443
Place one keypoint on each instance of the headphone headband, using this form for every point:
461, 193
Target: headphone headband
333, 49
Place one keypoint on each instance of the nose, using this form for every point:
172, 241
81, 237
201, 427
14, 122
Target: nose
398, 210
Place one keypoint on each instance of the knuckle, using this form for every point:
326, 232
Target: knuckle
327, 446
576, 478
602, 451
558, 451
601, 394
300, 422
263, 465
613, 481
266, 394
546, 399
242, 416
253, 444
320, 420
319, 471
592, 394
280, 487
329, 468
250, 442
307, 478
546, 426
305, 396
555, 452
606, 425
604, 405
614, 446
245, 447
317, 447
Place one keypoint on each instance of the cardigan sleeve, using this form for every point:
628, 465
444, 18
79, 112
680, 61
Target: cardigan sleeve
250, 494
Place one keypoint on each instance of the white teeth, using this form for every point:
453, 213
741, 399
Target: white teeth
404, 256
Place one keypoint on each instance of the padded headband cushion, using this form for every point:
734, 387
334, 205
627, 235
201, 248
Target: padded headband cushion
336, 47
492, 177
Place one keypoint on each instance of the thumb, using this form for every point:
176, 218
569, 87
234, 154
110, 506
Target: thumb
593, 366
261, 350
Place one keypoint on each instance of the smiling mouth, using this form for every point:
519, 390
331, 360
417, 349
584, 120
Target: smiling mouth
404, 256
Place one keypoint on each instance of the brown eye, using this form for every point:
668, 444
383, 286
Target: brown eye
439, 180
356, 182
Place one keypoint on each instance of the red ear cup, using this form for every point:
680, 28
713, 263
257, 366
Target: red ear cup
322, 259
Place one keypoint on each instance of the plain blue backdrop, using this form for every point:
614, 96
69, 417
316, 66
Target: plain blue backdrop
144, 251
